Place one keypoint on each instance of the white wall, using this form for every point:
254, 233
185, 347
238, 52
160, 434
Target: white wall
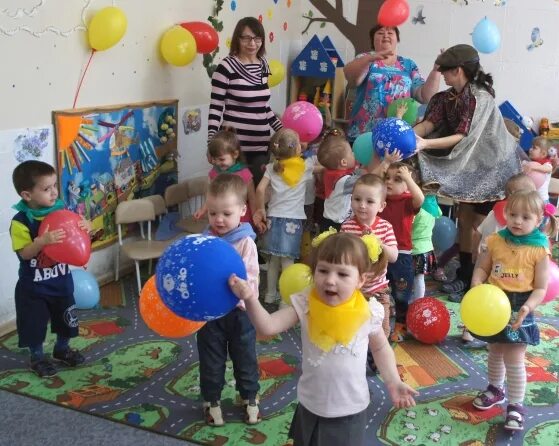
40, 71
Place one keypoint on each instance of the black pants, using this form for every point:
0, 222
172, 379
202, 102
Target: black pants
256, 162
233, 334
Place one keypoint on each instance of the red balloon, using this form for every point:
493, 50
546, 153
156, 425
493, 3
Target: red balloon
428, 320
499, 212
75, 249
204, 34
393, 12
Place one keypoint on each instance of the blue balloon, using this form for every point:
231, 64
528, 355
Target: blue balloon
486, 36
86, 289
391, 134
192, 277
363, 148
444, 234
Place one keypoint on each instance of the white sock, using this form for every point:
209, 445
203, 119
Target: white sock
272, 276
496, 368
419, 286
516, 382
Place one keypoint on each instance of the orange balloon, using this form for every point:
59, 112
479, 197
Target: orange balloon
159, 318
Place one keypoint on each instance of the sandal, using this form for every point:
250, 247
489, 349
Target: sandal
457, 286
489, 398
466, 336
212, 414
515, 417
439, 275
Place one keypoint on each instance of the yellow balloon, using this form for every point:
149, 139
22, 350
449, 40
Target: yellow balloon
485, 310
178, 46
106, 28
278, 72
294, 279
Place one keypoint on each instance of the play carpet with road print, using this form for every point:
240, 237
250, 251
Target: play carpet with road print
136, 377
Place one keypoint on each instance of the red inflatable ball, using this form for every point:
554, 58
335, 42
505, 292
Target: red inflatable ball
428, 320
393, 13
205, 35
75, 249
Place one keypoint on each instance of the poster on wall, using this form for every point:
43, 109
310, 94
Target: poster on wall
107, 155
192, 137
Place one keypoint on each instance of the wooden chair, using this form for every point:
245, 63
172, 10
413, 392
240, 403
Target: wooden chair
188, 195
137, 211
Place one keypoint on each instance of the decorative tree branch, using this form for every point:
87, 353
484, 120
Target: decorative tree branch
311, 20
208, 59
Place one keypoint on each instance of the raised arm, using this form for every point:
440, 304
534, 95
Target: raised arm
356, 70
431, 86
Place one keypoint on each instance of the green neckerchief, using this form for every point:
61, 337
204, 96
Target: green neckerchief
535, 238
231, 169
37, 214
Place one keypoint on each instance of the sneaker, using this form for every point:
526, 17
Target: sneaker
212, 413
399, 333
252, 412
456, 297
43, 368
489, 398
69, 357
514, 420
456, 286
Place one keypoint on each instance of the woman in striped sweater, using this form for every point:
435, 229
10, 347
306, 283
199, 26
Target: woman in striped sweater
240, 95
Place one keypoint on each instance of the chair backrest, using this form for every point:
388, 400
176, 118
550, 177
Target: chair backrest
158, 204
191, 192
134, 211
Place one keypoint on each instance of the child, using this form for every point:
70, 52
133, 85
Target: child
516, 260
367, 200
45, 289
224, 153
539, 152
337, 328
233, 333
403, 200
282, 224
423, 255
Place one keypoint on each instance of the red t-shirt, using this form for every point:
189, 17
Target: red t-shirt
399, 212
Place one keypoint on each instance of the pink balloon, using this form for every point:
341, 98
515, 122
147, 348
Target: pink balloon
303, 118
537, 177
553, 283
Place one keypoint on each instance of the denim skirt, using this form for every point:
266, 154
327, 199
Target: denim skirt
283, 237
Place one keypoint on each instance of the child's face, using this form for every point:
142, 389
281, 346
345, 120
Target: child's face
366, 203
537, 153
43, 194
395, 185
224, 212
521, 221
335, 283
225, 160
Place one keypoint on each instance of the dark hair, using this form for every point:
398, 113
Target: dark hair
475, 74
283, 145
332, 150
378, 27
258, 30
371, 180
228, 183
225, 141
398, 164
26, 174
347, 248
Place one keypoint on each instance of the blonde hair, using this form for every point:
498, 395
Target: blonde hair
519, 182
228, 183
332, 150
372, 180
530, 201
543, 143
349, 249
225, 142
284, 144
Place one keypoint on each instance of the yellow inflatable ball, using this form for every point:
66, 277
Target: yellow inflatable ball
485, 310
278, 73
106, 28
178, 46
294, 279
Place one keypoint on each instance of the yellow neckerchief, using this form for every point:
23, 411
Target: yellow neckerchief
293, 170
329, 326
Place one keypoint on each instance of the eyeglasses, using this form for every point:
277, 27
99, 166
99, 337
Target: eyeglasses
247, 39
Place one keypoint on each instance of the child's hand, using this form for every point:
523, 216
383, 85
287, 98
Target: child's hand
404, 173
520, 316
199, 214
51, 237
401, 110
240, 288
392, 157
85, 225
259, 220
401, 394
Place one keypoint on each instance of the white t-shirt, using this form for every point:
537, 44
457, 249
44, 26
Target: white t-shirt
488, 226
337, 207
334, 384
285, 201
543, 190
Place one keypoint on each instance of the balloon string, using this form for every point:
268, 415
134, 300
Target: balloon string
82, 78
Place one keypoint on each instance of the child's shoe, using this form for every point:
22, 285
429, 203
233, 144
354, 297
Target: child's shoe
489, 398
252, 411
514, 420
399, 333
69, 357
43, 368
212, 414
467, 336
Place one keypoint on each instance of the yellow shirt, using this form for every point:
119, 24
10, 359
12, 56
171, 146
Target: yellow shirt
513, 266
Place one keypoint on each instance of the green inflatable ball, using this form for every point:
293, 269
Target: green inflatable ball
411, 114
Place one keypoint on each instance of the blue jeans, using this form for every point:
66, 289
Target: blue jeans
233, 334
400, 275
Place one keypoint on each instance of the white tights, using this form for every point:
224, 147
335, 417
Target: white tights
275, 265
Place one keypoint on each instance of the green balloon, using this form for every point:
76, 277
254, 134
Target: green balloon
411, 114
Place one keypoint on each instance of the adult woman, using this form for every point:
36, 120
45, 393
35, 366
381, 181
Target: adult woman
382, 76
465, 148
240, 95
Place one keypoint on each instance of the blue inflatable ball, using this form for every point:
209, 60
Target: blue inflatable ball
363, 148
86, 289
444, 234
192, 277
486, 36
391, 134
